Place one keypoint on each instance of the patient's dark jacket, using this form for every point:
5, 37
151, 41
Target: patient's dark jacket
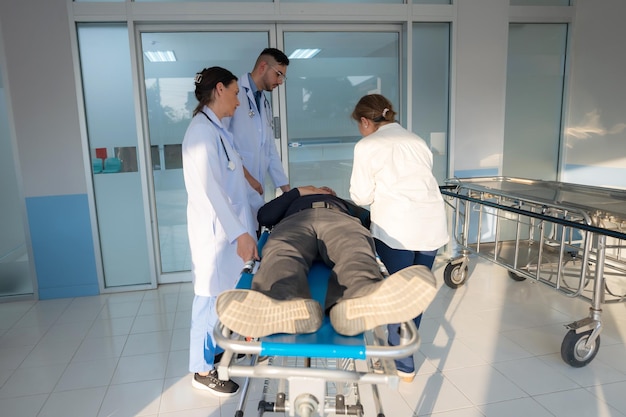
292, 202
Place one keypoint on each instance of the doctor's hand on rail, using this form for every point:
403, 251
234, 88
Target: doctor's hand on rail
248, 267
247, 247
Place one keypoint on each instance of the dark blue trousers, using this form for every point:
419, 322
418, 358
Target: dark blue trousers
395, 260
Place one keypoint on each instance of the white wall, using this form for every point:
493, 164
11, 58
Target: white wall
43, 96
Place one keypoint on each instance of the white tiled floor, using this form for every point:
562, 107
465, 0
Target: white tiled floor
490, 348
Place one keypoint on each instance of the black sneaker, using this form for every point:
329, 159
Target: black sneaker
215, 385
218, 358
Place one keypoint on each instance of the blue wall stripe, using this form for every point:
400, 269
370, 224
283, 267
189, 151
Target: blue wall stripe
63, 250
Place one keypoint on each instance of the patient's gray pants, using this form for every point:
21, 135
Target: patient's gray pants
337, 239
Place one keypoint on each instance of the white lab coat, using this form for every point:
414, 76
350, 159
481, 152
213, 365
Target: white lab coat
217, 205
254, 139
392, 173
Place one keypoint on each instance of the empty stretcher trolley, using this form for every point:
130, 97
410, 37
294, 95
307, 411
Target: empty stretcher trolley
568, 236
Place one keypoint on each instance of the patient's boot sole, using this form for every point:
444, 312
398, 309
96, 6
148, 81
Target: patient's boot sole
399, 298
251, 313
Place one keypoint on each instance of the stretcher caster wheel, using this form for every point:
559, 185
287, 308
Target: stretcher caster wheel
573, 350
455, 275
516, 277
306, 405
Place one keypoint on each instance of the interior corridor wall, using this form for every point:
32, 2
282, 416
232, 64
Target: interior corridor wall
43, 99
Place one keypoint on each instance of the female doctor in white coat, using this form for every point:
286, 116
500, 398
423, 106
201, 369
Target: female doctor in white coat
219, 219
392, 173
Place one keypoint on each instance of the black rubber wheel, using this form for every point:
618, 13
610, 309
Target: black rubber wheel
573, 349
455, 275
516, 277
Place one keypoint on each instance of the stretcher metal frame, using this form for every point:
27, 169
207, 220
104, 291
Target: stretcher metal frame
568, 236
314, 374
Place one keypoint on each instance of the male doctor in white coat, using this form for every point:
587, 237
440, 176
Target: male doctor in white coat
252, 125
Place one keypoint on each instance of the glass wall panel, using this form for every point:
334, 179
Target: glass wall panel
15, 278
112, 134
170, 101
431, 91
321, 94
534, 100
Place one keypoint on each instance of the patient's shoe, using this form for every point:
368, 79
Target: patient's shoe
406, 375
399, 298
251, 313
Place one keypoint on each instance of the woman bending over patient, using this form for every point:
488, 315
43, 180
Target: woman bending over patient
392, 173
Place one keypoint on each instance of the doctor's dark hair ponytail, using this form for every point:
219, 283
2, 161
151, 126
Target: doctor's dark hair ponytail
374, 107
206, 81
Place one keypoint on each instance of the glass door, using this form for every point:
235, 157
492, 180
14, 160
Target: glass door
118, 174
314, 105
329, 71
170, 61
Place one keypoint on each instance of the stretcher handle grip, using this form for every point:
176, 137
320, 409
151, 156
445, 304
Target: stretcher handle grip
248, 267
447, 187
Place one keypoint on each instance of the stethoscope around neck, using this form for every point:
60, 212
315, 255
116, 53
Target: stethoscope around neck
231, 164
251, 107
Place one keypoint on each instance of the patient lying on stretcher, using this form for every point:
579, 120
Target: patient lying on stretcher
308, 224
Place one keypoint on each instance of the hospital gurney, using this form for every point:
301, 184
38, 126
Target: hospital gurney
568, 236
316, 374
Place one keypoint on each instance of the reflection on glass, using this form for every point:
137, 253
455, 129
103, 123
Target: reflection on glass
122, 159
321, 94
155, 157
173, 156
127, 156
